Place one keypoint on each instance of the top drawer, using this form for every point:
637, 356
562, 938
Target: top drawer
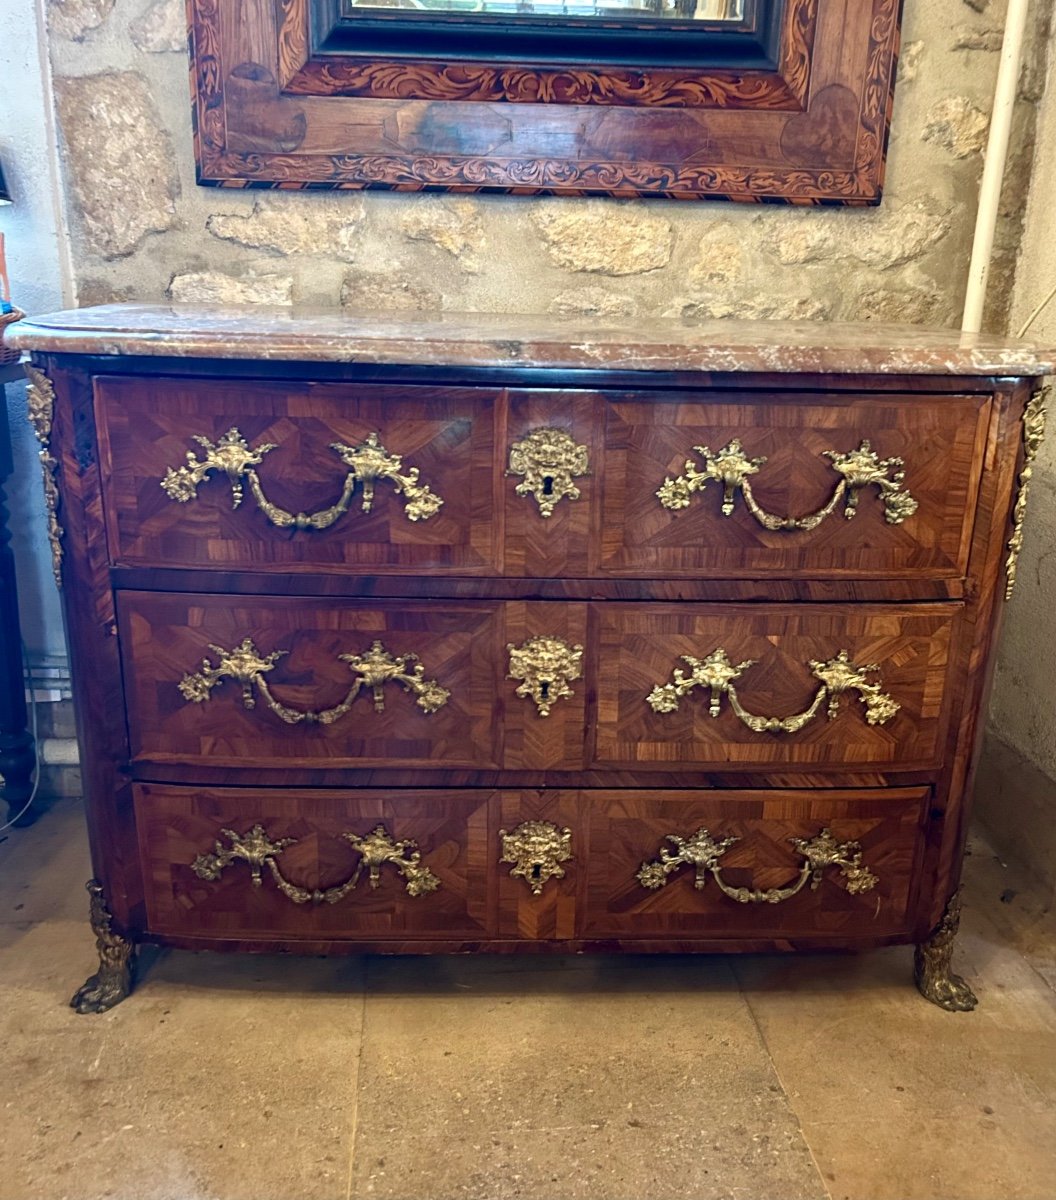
244, 474
390, 479
791, 486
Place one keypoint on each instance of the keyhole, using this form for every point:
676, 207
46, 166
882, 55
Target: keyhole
537, 870
548, 485
544, 688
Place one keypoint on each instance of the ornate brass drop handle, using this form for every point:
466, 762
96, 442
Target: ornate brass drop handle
258, 850
717, 673
732, 467
702, 852
367, 463
377, 667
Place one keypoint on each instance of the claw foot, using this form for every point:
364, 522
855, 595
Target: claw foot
113, 981
935, 980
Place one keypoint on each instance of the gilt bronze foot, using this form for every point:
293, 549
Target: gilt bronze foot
113, 981
931, 963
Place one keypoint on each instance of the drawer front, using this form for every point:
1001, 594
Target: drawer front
754, 686
365, 864
227, 681
293, 475
742, 864
701, 490
295, 683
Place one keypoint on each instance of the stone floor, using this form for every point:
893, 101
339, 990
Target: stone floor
489, 1078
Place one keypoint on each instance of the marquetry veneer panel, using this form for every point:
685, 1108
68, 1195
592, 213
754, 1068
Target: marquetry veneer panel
168, 636
629, 828
176, 825
446, 433
940, 438
639, 647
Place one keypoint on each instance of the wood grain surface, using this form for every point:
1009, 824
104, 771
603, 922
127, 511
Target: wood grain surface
271, 111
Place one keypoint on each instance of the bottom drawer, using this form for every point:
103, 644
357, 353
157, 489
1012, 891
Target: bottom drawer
288, 865
753, 863
461, 866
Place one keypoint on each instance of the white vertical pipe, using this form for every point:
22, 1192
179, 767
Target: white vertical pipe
994, 169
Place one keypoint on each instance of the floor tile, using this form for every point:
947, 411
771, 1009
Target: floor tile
44, 867
219, 1080
598, 1162
591, 1076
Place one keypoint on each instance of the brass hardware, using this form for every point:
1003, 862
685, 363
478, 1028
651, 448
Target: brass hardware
717, 673
549, 460
248, 667
931, 964
113, 981
366, 463
40, 398
702, 852
537, 848
732, 467
257, 849
1033, 436
545, 665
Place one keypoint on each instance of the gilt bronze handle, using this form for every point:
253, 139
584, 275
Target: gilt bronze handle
367, 463
377, 667
703, 852
716, 673
258, 850
731, 467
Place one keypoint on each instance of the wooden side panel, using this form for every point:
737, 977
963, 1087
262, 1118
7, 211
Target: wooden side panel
640, 647
176, 825
148, 427
648, 440
629, 829
168, 637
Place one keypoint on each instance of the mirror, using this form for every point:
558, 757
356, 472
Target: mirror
748, 100
723, 12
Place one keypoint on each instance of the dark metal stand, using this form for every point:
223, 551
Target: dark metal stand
17, 756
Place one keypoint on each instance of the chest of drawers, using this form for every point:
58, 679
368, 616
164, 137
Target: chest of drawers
477, 633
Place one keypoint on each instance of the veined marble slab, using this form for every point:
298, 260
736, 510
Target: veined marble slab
526, 340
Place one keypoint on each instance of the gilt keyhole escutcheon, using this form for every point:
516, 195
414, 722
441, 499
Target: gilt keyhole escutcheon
537, 849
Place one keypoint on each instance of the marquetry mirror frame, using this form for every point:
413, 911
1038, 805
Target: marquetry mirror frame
273, 108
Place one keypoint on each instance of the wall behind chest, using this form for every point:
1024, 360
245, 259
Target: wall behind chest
142, 229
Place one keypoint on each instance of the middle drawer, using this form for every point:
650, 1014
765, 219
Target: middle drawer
297, 684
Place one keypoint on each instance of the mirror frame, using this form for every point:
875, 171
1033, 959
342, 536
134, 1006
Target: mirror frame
274, 107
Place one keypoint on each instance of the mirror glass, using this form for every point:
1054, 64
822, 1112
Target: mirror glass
723, 12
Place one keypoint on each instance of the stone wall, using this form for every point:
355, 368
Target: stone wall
142, 229
1016, 795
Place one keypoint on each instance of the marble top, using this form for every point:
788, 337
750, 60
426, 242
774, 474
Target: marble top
525, 340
